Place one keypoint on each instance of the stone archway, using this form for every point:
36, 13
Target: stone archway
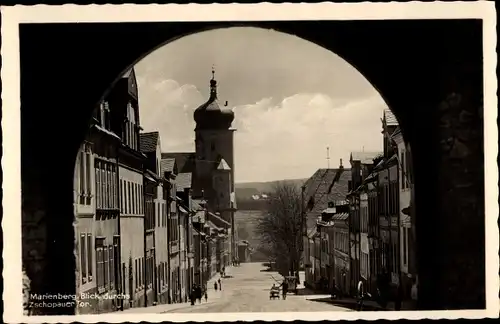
431, 79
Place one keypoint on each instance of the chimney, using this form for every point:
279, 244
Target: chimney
341, 166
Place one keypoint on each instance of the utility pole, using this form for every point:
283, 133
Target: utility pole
328, 157
303, 223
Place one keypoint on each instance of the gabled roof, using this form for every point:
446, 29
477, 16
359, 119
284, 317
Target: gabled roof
185, 160
223, 166
324, 186
364, 157
131, 81
183, 181
167, 165
149, 141
390, 118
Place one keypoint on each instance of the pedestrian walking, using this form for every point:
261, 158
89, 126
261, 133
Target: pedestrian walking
198, 293
284, 288
192, 295
206, 296
360, 296
215, 285
220, 284
414, 294
399, 297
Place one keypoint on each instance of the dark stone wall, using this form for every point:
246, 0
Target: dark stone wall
431, 78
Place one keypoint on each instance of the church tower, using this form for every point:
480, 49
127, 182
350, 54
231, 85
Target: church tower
214, 172
214, 141
222, 186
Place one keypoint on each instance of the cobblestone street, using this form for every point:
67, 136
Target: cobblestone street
248, 291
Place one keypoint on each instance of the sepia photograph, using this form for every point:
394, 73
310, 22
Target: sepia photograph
250, 162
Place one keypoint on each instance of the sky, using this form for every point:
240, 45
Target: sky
292, 99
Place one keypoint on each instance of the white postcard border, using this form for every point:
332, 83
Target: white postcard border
13, 16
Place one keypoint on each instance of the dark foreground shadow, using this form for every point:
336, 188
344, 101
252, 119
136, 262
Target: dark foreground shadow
308, 291
368, 306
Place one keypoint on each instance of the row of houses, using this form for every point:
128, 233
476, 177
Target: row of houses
143, 236
359, 232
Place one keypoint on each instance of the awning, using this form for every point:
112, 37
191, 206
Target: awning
110, 133
329, 210
183, 210
213, 226
218, 219
147, 176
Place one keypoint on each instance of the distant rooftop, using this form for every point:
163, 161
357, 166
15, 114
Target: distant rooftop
390, 118
149, 141
364, 157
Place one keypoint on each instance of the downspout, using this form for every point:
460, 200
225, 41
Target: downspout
351, 215
154, 278
399, 234
179, 281
169, 210
388, 214
145, 190
121, 276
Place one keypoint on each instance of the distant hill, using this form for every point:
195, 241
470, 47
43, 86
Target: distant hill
245, 191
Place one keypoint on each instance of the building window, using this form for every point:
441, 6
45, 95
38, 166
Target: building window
409, 174
84, 175
83, 258
134, 198
88, 178
108, 186
121, 196
158, 214
106, 266
111, 269
141, 199
405, 247
137, 198
89, 256
136, 274
98, 185
129, 198
141, 271
114, 189
403, 173
99, 246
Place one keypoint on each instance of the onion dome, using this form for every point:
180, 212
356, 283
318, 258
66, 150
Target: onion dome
210, 115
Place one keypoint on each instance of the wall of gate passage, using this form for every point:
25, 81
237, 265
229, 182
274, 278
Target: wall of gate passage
431, 79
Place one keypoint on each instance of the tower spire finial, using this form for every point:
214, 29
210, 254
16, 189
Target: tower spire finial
213, 84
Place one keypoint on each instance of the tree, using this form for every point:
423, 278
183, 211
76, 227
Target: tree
281, 228
243, 233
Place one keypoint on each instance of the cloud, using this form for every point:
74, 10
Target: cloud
275, 139
289, 139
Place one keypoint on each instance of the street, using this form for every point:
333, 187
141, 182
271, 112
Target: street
248, 291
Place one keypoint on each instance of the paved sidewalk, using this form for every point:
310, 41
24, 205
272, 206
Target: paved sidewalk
213, 296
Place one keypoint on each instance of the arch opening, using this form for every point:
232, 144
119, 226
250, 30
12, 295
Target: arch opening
304, 104
405, 114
